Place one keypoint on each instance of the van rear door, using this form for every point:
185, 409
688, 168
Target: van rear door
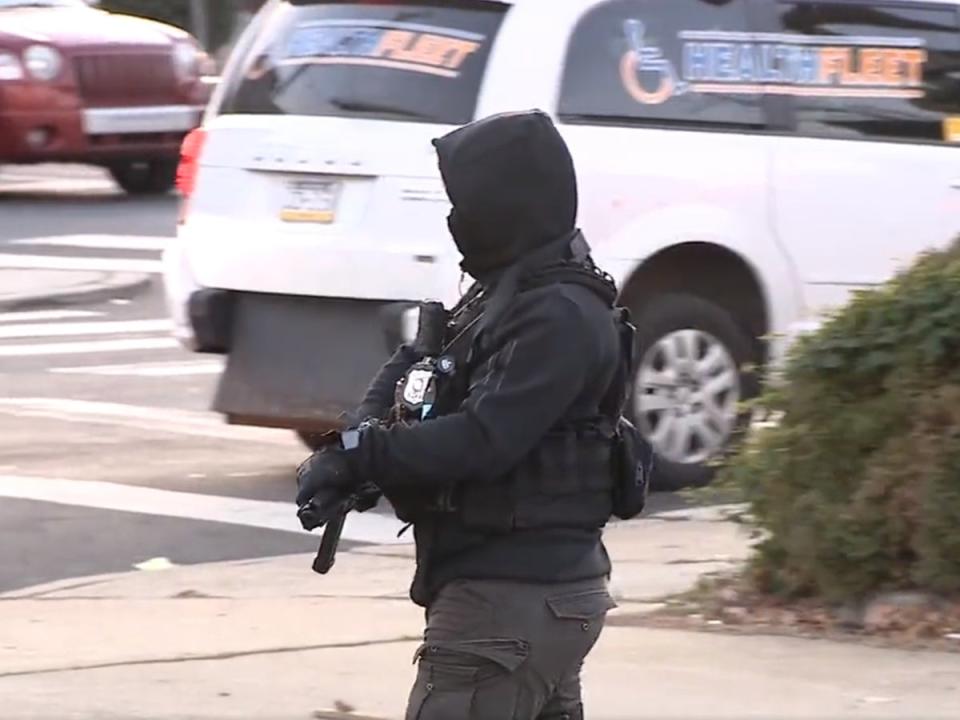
318, 176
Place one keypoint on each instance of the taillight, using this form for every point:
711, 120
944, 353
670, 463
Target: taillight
190, 151
189, 166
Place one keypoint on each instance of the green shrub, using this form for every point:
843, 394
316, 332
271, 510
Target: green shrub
857, 488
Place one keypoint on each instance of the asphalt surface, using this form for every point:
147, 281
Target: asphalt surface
109, 457
43, 200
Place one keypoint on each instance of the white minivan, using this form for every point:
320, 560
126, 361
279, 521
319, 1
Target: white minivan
743, 165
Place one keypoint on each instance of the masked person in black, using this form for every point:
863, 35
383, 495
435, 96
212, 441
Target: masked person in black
511, 476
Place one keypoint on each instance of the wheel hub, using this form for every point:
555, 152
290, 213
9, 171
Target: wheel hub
687, 391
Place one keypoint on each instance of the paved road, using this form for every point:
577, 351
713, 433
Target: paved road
101, 397
109, 458
60, 200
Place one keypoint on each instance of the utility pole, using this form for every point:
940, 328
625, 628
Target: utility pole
200, 22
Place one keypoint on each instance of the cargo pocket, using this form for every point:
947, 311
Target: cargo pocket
468, 679
588, 607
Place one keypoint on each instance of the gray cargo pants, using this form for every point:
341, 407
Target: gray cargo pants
503, 650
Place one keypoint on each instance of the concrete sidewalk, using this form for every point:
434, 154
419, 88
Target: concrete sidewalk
269, 639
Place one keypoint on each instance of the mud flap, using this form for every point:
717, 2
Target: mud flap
300, 362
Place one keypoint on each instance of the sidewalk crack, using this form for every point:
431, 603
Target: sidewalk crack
211, 657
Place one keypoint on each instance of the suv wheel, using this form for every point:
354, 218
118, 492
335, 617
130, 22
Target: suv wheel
694, 372
145, 177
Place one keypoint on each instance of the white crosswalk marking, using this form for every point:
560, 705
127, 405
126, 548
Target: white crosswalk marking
154, 419
51, 262
56, 180
157, 369
101, 242
78, 348
365, 527
58, 187
128, 343
41, 315
39, 330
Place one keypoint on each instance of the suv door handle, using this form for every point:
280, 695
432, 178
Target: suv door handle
955, 184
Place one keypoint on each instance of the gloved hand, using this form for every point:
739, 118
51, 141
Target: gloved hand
326, 476
324, 506
321, 509
367, 497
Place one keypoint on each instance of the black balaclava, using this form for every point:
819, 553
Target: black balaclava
511, 181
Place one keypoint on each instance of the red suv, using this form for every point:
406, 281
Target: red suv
79, 84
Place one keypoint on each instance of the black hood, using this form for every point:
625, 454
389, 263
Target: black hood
511, 181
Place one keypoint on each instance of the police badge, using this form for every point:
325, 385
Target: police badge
417, 391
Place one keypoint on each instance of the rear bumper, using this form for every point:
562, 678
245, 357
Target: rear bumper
179, 283
292, 361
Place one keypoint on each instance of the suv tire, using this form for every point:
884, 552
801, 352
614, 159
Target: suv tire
145, 177
707, 358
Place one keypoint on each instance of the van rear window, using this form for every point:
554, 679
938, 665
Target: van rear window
415, 61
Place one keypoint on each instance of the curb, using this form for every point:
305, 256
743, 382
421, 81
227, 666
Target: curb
114, 285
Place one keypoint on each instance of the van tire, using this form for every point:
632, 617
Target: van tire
145, 177
670, 313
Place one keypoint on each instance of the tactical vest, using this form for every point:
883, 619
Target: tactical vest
569, 480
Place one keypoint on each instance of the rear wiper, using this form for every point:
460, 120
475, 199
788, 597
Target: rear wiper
367, 107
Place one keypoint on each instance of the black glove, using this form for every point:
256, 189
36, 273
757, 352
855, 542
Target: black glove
321, 509
325, 475
367, 497
326, 504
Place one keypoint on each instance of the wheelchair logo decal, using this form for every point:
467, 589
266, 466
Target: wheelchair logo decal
744, 63
647, 59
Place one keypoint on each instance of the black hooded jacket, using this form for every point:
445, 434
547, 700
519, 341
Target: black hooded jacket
548, 356
511, 181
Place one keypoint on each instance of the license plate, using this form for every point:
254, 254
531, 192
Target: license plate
311, 201
951, 129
